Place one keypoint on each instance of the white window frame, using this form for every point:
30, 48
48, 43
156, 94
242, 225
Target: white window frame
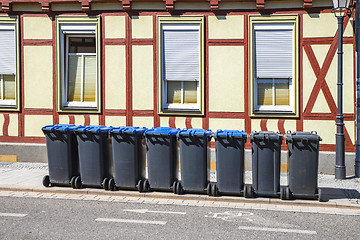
273, 108
180, 106
9, 103
76, 30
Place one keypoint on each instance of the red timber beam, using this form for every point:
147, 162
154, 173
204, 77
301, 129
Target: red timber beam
260, 4
307, 3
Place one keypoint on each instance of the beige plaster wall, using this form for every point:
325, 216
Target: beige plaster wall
142, 26
115, 77
64, 119
322, 25
147, 122
325, 128
164, 121
226, 27
13, 129
196, 122
115, 121
1, 124
37, 28
38, 76
230, 124
94, 119
143, 78
226, 79
34, 123
115, 27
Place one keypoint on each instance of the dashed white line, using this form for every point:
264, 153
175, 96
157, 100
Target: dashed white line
284, 230
149, 211
12, 215
119, 220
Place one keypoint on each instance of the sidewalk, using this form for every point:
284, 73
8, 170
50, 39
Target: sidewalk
27, 177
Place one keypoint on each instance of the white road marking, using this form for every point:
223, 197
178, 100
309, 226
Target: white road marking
119, 220
284, 230
148, 211
12, 215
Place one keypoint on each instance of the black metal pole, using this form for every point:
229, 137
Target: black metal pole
340, 170
357, 67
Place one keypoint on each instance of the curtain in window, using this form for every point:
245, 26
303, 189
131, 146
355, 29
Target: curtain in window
74, 83
9, 87
89, 78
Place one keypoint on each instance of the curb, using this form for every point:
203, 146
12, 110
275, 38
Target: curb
170, 195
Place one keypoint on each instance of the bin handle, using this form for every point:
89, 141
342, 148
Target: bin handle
314, 132
288, 131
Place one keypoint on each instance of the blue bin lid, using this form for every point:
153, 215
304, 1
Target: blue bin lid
60, 127
230, 133
93, 128
162, 131
129, 130
195, 132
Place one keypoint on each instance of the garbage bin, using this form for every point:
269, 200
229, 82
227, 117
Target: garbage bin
162, 160
63, 161
94, 156
194, 160
229, 162
128, 159
303, 160
266, 154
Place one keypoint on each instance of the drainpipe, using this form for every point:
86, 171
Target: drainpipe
357, 62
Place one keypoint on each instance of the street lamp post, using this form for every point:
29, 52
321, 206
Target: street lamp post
340, 9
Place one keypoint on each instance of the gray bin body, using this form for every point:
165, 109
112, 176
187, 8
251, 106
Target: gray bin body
128, 159
94, 157
161, 161
303, 163
266, 153
63, 162
230, 164
194, 162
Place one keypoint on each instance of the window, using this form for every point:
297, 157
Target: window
9, 99
181, 65
274, 65
79, 66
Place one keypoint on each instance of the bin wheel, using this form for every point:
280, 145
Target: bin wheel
78, 183
46, 181
179, 188
214, 190
320, 197
140, 186
111, 185
287, 193
283, 193
146, 186
105, 184
248, 191
72, 182
174, 187
208, 189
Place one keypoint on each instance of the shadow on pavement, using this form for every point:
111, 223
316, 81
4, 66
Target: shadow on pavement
339, 193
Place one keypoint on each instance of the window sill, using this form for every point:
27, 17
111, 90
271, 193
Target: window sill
181, 112
79, 110
274, 114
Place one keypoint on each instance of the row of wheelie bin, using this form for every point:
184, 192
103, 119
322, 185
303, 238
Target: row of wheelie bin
82, 156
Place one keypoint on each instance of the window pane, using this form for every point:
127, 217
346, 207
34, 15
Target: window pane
190, 92
74, 84
82, 45
90, 79
173, 92
264, 92
9, 87
282, 93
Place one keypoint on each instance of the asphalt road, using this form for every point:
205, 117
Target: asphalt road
37, 218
